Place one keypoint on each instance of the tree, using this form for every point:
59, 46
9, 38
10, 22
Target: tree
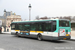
60, 17
69, 18
44, 17
73, 19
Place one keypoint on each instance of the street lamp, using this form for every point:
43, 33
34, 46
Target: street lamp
29, 11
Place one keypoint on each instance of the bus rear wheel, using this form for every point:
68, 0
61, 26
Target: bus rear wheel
39, 37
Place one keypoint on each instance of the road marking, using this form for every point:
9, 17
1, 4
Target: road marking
1, 49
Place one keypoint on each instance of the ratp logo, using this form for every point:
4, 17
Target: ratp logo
63, 31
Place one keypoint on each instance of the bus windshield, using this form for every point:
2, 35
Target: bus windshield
63, 23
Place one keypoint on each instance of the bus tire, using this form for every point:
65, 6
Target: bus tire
17, 34
39, 37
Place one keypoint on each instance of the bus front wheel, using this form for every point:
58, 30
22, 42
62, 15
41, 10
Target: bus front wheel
17, 34
39, 37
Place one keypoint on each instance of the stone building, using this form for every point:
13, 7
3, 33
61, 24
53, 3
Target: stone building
7, 18
3, 20
73, 25
12, 18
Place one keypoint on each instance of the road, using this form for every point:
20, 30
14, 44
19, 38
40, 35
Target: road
11, 42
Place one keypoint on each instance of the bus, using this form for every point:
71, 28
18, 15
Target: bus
52, 29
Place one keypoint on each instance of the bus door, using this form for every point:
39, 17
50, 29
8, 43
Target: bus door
47, 28
26, 30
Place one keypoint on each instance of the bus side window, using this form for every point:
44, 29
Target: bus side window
34, 27
54, 25
20, 27
40, 27
47, 27
16, 27
26, 27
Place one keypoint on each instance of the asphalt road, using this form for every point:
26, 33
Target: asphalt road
11, 42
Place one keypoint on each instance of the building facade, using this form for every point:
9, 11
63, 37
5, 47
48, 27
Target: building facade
2, 18
12, 18
7, 18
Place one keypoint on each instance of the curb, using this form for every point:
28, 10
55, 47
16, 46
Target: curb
6, 32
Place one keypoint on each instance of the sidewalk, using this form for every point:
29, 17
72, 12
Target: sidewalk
6, 32
73, 34
72, 37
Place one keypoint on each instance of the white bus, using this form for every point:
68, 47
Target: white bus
55, 29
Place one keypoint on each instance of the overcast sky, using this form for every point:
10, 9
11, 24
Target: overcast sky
41, 8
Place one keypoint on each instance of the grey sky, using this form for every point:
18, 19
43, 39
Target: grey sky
50, 8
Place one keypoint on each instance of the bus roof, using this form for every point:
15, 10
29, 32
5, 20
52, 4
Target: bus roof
37, 20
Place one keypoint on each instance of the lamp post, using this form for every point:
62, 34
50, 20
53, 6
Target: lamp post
29, 12
5, 20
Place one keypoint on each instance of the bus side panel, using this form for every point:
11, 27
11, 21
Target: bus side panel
55, 34
33, 34
50, 35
